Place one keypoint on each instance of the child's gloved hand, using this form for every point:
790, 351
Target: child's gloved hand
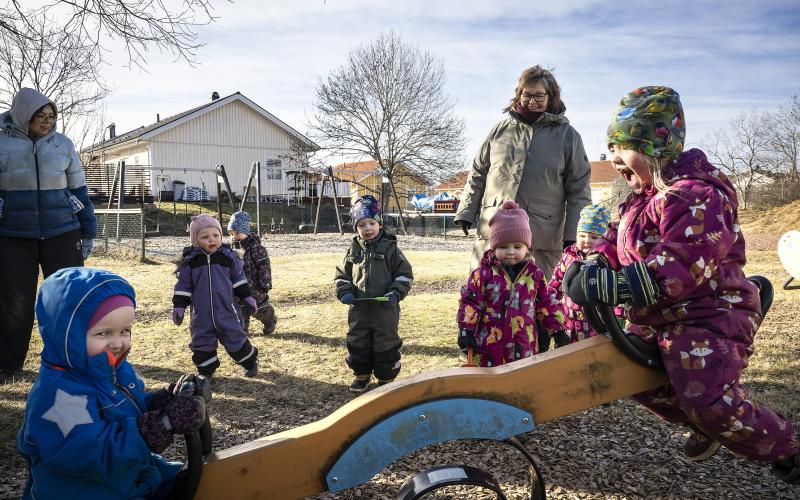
177, 315
393, 299
249, 306
184, 415
594, 284
161, 397
151, 427
347, 298
191, 384
561, 338
86, 247
466, 339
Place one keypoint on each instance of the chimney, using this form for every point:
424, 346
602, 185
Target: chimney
603, 156
112, 131
158, 117
214, 96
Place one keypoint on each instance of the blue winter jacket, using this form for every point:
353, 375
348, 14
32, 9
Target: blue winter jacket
79, 435
42, 188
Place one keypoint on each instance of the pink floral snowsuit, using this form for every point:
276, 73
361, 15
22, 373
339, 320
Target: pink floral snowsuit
506, 316
708, 311
575, 322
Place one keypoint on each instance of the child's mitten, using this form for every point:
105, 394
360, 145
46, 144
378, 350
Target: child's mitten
152, 429
184, 415
466, 339
249, 306
177, 315
594, 284
393, 298
161, 397
561, 338
348, 298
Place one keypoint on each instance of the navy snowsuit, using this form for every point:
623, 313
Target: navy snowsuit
79, 435
208, 282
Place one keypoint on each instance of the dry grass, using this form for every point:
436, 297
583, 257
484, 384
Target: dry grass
303, 378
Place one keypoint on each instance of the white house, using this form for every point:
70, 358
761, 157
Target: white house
232, 130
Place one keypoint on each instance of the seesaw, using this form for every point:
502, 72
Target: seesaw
358, 440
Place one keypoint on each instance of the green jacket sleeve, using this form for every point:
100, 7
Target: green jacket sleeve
402, 274
577, 175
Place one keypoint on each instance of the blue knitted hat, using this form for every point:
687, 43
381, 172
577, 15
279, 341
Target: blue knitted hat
366, 206
240, 221
594, 219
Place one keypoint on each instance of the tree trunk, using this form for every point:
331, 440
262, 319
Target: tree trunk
399, 208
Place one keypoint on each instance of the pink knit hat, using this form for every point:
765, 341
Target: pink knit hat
200, 222
509, 225
108, 305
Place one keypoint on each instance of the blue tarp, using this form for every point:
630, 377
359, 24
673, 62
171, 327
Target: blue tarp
425, 203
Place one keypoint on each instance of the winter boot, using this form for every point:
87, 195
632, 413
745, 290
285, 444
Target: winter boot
699, 447
360, 383
788, 469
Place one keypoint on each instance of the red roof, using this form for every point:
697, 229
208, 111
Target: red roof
603, 172
355, 170
455, 181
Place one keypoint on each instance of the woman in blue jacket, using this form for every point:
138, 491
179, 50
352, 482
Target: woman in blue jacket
46, 218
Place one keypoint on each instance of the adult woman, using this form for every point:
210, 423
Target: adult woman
46, 218
536, 158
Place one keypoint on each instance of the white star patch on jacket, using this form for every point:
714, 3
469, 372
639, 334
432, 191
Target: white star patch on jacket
68, 411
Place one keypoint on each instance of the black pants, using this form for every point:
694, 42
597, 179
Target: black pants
20, 259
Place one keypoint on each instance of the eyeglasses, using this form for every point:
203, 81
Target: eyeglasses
41, 117
540, 97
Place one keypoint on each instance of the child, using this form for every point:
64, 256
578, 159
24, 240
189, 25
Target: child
374, 268
90, 429
506, 301
257, 269
209, 275
592, 225
678, 255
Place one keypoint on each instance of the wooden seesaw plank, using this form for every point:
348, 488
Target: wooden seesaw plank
293, 463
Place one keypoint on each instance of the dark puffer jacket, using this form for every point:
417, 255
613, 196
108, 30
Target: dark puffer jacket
42, 188
257, 267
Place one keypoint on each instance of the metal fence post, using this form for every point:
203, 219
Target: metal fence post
142, 234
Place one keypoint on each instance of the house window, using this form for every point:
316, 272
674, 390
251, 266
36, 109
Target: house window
273, 171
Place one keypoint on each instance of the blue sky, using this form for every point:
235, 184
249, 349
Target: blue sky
723, 57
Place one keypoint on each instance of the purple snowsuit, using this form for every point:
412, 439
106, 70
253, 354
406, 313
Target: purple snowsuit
208, 282
708, 312
506, 315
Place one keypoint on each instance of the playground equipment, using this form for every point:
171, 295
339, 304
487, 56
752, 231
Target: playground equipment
789, 253
358, 440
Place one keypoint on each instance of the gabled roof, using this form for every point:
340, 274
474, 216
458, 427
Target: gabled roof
159, 127
455, 181
603, 172
360, 170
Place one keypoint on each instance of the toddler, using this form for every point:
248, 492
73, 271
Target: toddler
209, 275
90, 429
506, 302
257, 268
373, 278
592, 225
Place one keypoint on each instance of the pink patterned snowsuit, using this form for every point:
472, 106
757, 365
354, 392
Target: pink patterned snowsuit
506, 316
708, 312
575, 322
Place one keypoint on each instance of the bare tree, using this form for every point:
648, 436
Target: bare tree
784, 137
387, 103
57, 64
744, 152
138, 24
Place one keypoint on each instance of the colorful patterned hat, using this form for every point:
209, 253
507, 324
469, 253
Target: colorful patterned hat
240, 221
366, 206
594, 219
649, 120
